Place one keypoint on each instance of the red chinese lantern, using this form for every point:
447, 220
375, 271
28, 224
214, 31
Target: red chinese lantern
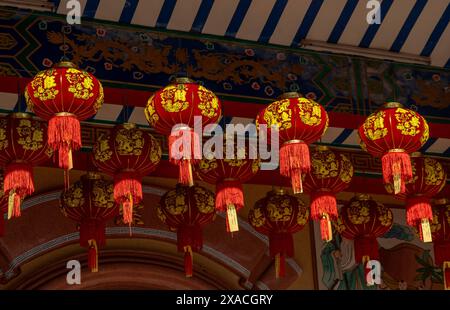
279, 216
90, 203
187, 209
23, 145
364, 220
64, 95
392, 133
428, 179
173, 111
3, 207
300, 122
440, 229
331, 173
128, 154
228, 175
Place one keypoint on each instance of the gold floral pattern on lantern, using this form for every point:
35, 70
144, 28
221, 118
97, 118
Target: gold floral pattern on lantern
358, 214
434, 172
408, 122
155, 154
173, 98
310, 112
175, 204
205, 201
426, 134
374, 128
74, 196
209, 103
207, 164
150, 112
129, 141
338, 225
161, 215
385, 215
45, 85
103, 194
101, 97
80, 83
324, 164
279, 211
279, 114
102, 151
3, 140
257, 219
256, 165
347, 169
31, 135
303, 214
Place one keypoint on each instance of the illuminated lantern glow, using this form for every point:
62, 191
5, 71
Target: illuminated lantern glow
331, 173
64, 95
90, 203
428, 179
172, 111
392, 133
279, 216
128, 154
364, 220
3, 207
440, 229
187, 209
23, 145
300, 122
228, 175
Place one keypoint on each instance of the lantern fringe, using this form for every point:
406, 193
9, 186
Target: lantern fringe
189, 240
186, 154
324, 209
92, 230
418, 208
441, 252
230, 198
294, 161
281, 245
446, 273
64, 136
127, 192
396, 170
366, 248
18, 184
93, 256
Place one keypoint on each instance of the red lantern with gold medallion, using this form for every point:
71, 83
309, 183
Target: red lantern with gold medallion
23, 145
300, 122
172, 111
128, 154
279, 216
331, 173
428, 179
90, 203
64, 95
364, 220
187, 209
228, 175
440, 229
392, 133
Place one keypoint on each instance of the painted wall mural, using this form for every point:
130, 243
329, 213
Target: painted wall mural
407, 263
141, 58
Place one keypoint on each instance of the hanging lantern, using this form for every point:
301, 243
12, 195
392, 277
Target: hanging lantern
90, 203
428, 179
228, 175
300, 122
64, 95
172, 111
279, 216
3, 207
392, 133
440, 229
187, 210
128, 154
331, 173
23, 145
364, 220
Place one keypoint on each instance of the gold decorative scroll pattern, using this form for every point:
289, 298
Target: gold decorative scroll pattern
30, 134
374, 126
129, 141
408, 122
326, 165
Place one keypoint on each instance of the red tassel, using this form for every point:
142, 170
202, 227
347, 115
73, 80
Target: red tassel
127, 192
418, 208
64, 136
397, 169
294, 161
324, 209
230, 198
188, 261
280, 265
186, 154
18, 184
446, 273
366, 248
93, 256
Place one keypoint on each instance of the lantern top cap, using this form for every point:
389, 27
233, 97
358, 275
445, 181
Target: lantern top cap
416, 154
20, 115
127, 125
65, 64
183, 80
441, 201
322, 148
290, 95
92, 175
392, 104
277, 191
363, 197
